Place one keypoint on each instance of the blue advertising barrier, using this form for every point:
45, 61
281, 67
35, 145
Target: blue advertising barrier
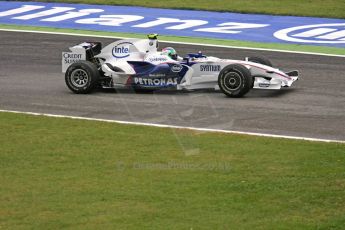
234, 26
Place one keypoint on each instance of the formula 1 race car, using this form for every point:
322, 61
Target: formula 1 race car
136, 63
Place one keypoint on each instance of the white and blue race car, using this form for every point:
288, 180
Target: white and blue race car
136, 63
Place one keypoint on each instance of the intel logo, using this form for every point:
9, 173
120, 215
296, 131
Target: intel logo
122, 50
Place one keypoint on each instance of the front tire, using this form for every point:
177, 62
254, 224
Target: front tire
261, 60
82, 77
235, 80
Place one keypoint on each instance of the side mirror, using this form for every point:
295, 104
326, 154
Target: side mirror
186, 59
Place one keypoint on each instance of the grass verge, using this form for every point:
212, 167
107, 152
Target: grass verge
63, 173
316, 8
230, 43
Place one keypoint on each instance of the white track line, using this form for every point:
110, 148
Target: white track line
173, 42
177, 127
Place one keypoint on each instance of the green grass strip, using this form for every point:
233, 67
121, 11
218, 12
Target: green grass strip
63, 173
234, 43
315, 8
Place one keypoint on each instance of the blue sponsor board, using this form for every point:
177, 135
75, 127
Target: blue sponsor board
234, 26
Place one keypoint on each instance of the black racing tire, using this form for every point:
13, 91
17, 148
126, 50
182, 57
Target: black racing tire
261, 60
82, 77
235, 80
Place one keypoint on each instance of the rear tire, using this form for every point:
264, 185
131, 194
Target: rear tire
82, 77
235, 80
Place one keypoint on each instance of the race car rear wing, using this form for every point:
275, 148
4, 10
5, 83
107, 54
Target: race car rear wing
83, 51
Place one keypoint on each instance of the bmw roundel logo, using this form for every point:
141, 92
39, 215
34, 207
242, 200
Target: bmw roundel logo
176, 68
333, 33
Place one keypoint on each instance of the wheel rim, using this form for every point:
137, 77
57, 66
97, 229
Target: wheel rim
79, 78
232, 81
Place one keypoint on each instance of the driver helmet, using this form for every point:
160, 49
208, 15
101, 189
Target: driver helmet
171, 52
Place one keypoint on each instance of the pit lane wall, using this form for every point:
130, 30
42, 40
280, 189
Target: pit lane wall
233, 26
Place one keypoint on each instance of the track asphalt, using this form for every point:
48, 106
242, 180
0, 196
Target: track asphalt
31, 80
